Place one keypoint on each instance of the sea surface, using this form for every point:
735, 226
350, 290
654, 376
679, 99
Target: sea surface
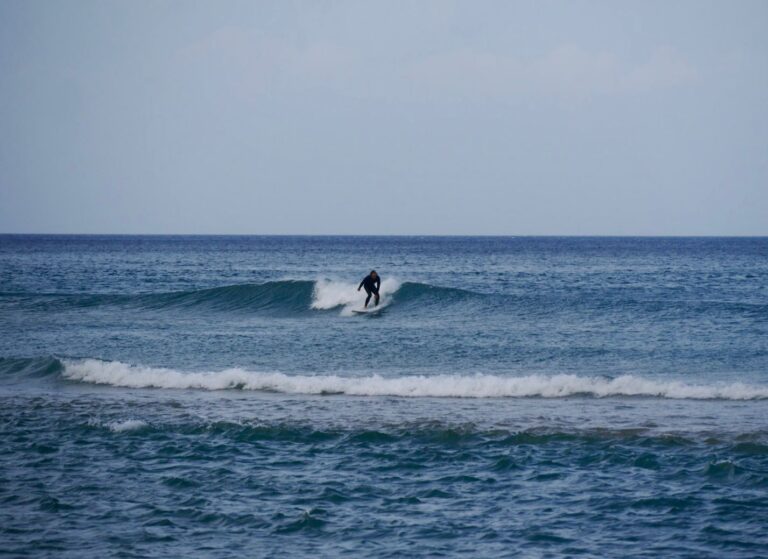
513, 397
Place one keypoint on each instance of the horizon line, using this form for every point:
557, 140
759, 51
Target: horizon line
478, 235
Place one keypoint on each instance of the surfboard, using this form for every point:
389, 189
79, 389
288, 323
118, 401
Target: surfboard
369, 310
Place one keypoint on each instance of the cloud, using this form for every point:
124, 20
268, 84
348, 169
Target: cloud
566, 72
665, 68
254, 64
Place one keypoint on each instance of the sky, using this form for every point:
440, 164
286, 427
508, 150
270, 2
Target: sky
416, 117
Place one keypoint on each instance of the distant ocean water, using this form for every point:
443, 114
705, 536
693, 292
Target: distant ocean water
533, 397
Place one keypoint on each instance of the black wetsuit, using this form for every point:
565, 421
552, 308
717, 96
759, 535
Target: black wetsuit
371, 287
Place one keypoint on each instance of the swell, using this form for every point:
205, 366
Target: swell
302, 297
115, 373
286, 296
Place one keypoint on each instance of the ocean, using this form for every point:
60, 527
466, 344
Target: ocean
215, 396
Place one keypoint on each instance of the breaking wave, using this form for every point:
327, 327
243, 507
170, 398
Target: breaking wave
119, 374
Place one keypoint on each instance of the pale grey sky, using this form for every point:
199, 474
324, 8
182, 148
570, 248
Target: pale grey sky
535, 117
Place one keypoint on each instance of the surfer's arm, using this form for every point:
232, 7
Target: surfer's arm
361, 284
378, 283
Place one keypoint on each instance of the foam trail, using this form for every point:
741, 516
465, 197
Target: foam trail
331, 294
451, 386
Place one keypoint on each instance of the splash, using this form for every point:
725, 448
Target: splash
333, 294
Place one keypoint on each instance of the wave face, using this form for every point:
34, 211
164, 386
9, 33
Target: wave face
275, 295
20, 369
119, 374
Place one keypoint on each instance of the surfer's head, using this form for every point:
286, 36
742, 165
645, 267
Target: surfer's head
374, 274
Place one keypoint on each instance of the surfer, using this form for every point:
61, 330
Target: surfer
371, 282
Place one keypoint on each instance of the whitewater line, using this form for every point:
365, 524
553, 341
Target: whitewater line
119, 374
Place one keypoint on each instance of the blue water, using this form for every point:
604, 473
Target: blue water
535, 397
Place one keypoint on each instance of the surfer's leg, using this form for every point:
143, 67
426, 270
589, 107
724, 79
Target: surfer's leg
376, 301
367, 299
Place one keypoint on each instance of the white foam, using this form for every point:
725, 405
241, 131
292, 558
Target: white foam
127, 425
450, 386
330, 294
